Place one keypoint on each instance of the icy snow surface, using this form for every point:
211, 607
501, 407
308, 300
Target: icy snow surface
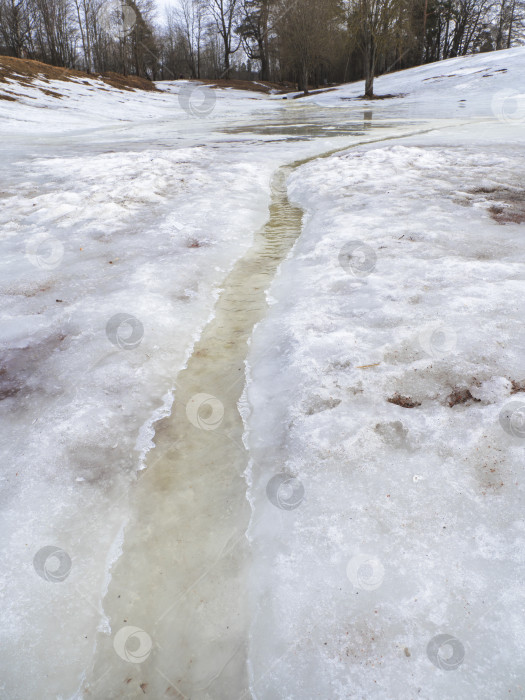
385, 437
121, 214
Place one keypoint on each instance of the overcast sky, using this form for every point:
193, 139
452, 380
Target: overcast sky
161, 5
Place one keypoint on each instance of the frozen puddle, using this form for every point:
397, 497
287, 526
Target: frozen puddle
181, 577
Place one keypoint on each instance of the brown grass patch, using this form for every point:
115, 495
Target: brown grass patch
483, 190
250, 85
51, 93
508, 215
7, 388
459, 396
404, 401
381, 97
313, 92
509, 204
26, 71
517, 386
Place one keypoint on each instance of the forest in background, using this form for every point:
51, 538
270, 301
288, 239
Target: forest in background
307, 42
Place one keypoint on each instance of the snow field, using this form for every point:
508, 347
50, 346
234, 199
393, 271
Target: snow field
121, 215
393, 344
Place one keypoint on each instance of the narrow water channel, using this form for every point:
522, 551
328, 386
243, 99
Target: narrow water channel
176, 604
181, 576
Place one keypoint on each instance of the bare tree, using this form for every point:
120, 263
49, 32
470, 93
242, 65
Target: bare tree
254, 31
15, 25
190, 20
55, 31
306, 28
225, 14
85, 10
378, 25
510, 22
306, 41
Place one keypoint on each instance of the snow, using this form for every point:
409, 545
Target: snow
381, 387
489, 84
113, 203
121, 214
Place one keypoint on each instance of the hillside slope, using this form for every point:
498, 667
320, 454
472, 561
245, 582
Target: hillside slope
121, 214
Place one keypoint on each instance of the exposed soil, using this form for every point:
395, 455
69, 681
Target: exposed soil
51, 93
513, 214
314, 92
509, 204
460, 396
374, 97
517, 386
251, 85
381, 97
25, 71
404, 401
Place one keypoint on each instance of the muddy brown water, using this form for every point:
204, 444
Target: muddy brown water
180, 577
176, 604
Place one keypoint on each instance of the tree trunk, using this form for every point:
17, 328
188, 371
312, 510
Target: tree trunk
370, 67
304, 78
264, 49
511, 23
499, 34
265, 68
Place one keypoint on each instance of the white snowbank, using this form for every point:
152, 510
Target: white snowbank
385, 440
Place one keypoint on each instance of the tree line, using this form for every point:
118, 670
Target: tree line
306, 42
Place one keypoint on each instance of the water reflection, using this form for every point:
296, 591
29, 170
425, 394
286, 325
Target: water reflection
312, 122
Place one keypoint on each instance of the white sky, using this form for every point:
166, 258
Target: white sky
162, 5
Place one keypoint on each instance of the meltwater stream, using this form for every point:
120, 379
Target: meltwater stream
176, 604
176, 600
